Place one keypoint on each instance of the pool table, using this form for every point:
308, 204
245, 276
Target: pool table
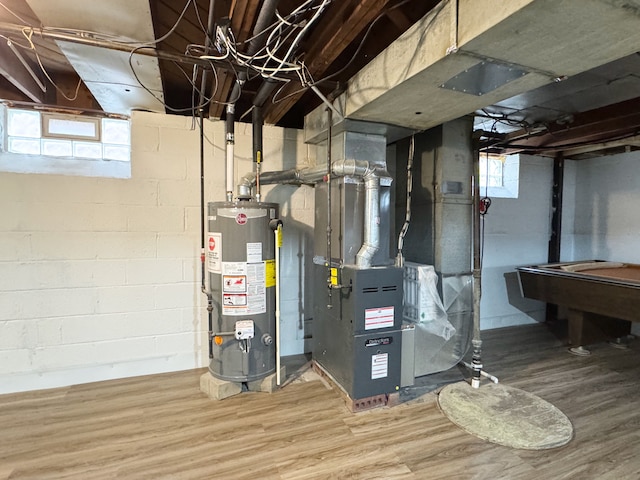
602, 297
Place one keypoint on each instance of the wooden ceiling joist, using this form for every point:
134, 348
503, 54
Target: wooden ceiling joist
243, 14
338, 30
21, 75
595, 126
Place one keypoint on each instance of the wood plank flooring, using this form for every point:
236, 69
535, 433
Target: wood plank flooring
162, 426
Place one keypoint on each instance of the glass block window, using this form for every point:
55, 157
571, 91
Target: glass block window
492, 170
31, 132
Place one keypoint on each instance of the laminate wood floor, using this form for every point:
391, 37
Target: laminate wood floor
162, 426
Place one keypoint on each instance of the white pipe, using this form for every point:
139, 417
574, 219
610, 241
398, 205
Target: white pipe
277, 236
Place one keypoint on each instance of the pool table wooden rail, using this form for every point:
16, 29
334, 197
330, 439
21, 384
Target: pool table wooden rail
600, 307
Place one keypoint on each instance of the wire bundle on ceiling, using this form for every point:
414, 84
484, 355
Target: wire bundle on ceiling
278, 55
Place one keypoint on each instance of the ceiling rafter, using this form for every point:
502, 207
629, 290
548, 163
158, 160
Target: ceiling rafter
597, 126
243, 14
12, 68
339, 29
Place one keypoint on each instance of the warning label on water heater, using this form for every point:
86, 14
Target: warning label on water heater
214, 251
243, 288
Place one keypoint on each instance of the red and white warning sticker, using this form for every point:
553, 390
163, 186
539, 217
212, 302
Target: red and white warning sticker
214, 252
378, 318
234, 283
233, 300
243, 288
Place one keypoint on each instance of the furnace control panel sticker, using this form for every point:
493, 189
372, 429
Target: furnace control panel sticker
378, 318
243, 288
379, 365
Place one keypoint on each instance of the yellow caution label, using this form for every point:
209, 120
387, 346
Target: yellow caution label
279, 242
270, 273
334, 276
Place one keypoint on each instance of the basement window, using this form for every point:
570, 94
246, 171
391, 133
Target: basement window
35, 133
44, 142
499, 175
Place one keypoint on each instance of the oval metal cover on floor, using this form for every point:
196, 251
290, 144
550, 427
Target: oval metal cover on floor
506, 416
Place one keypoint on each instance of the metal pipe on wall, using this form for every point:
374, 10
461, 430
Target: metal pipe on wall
257, 124
263, 21
278, 242
230, 138
310, 176
329, 227
210, 27
476, 360
371, 243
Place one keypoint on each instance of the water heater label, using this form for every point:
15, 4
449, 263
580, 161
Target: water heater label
270, 273
243, 288
254, 252
214, 252
379, 365
235, 283
378, 318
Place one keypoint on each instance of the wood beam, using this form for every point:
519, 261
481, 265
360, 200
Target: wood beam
593, 126
399, 19
12, 68
67, 84
338, 30
243, 14
626, 142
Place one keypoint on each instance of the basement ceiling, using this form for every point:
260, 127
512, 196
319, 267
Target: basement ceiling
145, 54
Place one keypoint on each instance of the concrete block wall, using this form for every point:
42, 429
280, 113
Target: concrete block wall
100, 277
607, 196
606, 223
516, 233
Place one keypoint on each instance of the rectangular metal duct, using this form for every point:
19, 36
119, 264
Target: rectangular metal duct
547, 39
107, 73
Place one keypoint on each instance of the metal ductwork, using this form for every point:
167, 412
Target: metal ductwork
360, 169
467, 54
108, 75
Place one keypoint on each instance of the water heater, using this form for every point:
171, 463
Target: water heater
242, 279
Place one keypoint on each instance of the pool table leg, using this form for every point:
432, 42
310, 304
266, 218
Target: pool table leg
576, 330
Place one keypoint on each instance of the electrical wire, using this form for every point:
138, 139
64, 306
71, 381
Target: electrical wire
484, 202
28, 33
439, 8
407, 218
173, 28
150, 92
14, 14
204, 29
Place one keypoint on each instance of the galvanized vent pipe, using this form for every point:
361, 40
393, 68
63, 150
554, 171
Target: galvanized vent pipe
341, 168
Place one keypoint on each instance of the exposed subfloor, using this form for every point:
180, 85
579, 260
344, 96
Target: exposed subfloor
162, 426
